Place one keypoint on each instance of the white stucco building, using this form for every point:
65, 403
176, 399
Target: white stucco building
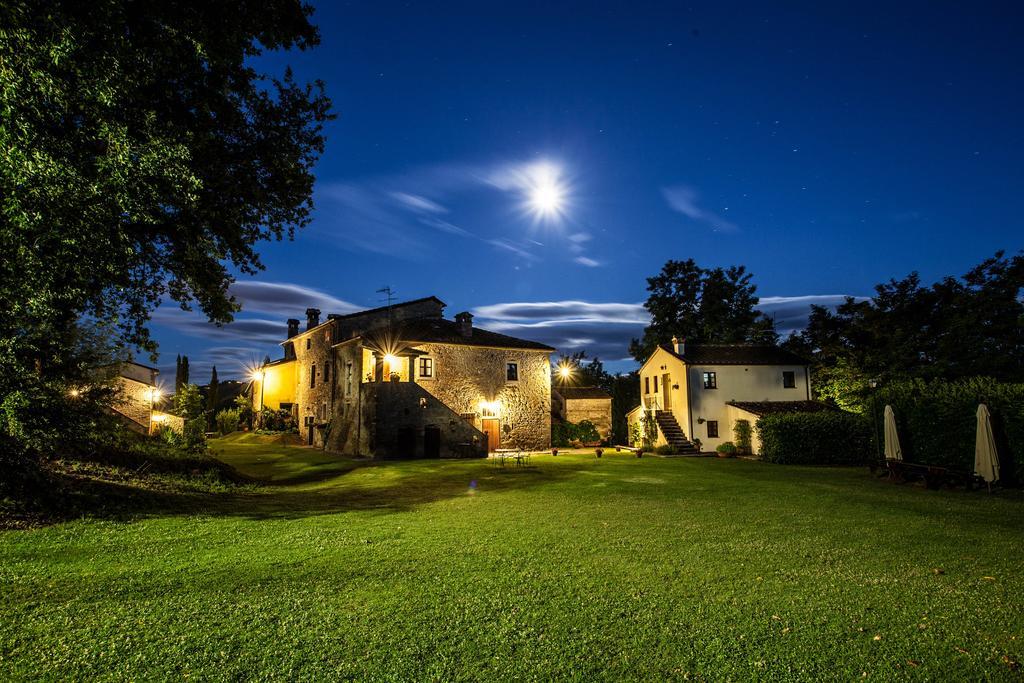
699, 391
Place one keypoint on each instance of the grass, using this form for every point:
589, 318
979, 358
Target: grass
576, 569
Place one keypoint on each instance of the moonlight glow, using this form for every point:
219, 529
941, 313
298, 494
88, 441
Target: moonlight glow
546, 192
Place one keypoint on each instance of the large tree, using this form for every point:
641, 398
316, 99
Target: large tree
955, 328
144, 156
702, 305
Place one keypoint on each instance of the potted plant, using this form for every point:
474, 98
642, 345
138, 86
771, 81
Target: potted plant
640, 452
396, 377
726, 450
554, 451
598, 452
698, 444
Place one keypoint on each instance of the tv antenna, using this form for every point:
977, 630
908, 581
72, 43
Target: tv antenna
388, 292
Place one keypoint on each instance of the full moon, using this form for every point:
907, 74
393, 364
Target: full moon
546, 194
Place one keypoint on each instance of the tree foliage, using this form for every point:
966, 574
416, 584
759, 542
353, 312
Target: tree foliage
702, 305
955, 328
143, 158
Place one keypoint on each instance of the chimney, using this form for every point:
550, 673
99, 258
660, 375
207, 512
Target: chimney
465, 321
293, 327
312, 318
679, 345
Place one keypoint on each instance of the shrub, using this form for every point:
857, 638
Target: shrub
741, 433
568, 433
936, 421
726, 448
826, 438
228, 420
275, 420
665, 449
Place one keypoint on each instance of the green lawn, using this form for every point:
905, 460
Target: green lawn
577, 569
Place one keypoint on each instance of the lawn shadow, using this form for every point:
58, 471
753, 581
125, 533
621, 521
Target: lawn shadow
347, 486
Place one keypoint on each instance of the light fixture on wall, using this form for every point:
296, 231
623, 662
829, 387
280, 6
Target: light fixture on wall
700, 420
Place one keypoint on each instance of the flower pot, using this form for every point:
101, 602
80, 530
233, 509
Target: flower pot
554, 451
598, 452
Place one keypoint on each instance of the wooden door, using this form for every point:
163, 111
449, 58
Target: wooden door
492, 430
432, 441
666, 391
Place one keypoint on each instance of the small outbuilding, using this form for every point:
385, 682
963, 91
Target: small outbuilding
575, 404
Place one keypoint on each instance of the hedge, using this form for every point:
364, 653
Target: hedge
937, 421
826, 438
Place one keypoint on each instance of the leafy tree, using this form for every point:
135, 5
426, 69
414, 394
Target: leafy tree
189, 405
955, 328
144, 155
701, 305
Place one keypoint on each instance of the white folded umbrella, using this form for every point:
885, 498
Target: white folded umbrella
892, 438
986, 458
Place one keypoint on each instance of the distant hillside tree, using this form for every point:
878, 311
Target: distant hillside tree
180, 373
702, 305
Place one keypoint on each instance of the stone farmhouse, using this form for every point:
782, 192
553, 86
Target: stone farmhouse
700, 391
404, 381
575, 404
137, 398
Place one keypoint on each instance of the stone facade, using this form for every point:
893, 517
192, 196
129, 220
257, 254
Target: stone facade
466, 377
344, 399
596, 410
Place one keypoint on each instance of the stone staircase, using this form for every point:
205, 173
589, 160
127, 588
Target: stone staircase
673, 433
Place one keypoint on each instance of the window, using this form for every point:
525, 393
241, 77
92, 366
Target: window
512, 372
789, 379
710, 381
647, 385
348, 378
655, 384
426, 367
712, 429
312, 375
309, 342
327, 373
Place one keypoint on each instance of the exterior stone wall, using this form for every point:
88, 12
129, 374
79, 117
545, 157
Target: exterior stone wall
464, 376
401, 413
134, 402
314, 399
597, 410
352, 417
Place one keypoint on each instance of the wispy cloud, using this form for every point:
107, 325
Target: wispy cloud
445, 226
286, 299
418, 203
373, 213
685, 200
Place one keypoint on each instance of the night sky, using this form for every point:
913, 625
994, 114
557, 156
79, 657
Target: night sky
827, 148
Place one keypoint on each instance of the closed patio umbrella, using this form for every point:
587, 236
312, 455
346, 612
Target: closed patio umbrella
892, 439
986, 459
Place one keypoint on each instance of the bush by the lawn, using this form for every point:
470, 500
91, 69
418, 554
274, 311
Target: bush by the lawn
567, 433
937, 421
826, 438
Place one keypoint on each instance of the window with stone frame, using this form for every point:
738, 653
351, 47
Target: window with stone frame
348, 379
426, 367
511, 372
327, 373
312, 375
647, 385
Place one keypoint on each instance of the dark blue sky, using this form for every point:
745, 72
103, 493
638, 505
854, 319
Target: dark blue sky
825, 146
